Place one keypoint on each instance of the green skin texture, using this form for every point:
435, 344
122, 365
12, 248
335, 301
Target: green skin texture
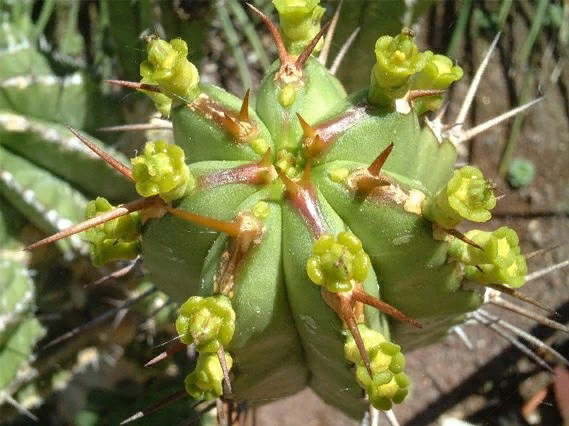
265, 356
191, 129
286, 336
19, 329
319, 327
360, 142
65, 161
314, 100
188, 244
50, 193
414, 275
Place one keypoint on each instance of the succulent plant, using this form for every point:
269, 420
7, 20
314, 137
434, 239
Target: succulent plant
333, 221
309, 239
19, 330
35, 97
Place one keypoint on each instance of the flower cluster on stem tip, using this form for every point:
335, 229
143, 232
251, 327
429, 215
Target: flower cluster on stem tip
206, 381
439, 73
300, 22
161, 170
398, 59
388, 383
167, 67
116, 239
336, 261
467, 196
208, 322
499, 261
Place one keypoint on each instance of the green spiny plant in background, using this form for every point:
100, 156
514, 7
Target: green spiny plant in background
46, 177
33, 99
332, 213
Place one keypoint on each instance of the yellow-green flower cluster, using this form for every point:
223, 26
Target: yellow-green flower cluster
439, 73
167, 67
161, 170
388, 383
300, 22
338, 261
499, 261
114, 240
398, 58
467, 196
207, 322
206, 381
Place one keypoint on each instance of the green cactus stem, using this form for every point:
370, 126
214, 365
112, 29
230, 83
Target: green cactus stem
208, 322
167, 66
398, 58
387, 384
289, 198
206, 381
439, 73
161, 170
250, 234
338, 261
499, 261
116, 239
229, 125
300, 22
261, 173
467, 196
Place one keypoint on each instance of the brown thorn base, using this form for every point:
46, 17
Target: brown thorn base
244, 112
375, 167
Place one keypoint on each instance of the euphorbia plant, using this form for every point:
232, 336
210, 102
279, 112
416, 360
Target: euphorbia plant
333, 221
